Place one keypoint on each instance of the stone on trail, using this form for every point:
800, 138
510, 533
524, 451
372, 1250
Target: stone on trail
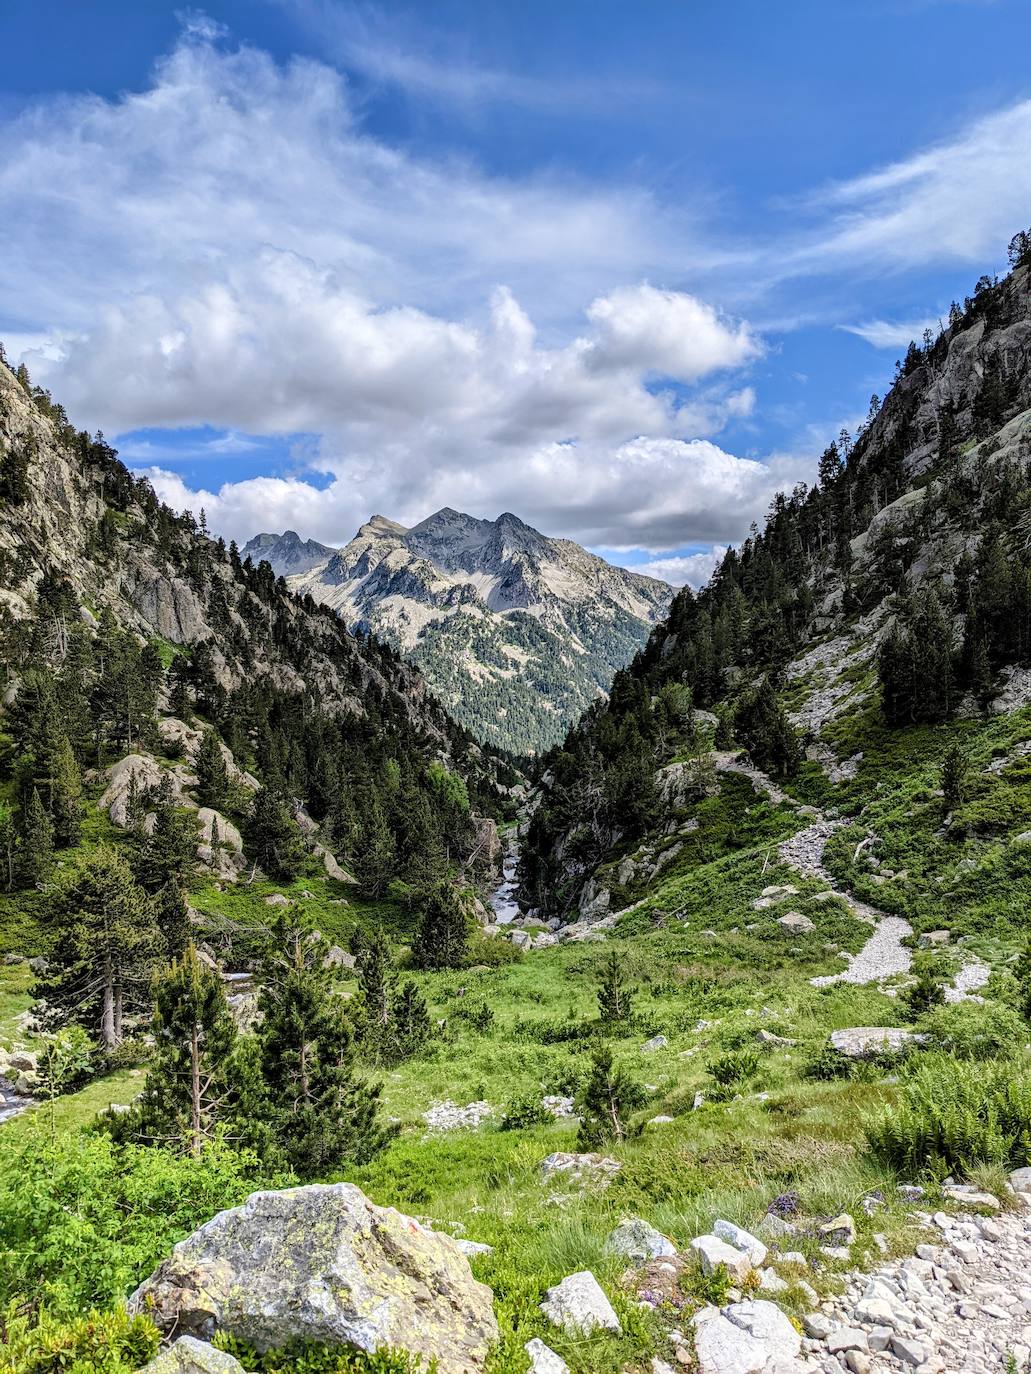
741, 1240
744, 1338
839, 1231
638, 1241
190, 1356
322, 1263
712, 1252
563, 1162
579, 1306
543, 1359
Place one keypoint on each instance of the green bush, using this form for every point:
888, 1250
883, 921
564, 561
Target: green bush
305, 1358
954, 1115
732, 1071
104, 1342
83, 1220
523, 1112
969, 1030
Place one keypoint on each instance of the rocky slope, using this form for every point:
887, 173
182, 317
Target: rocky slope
287, 553
82, 520
926, 512
515, 632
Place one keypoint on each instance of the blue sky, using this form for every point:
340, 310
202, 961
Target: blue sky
621, 269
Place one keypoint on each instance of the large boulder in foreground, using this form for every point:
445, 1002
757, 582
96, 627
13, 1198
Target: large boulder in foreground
323, 1264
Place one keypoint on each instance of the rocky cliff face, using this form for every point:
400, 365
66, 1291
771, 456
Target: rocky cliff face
515, 632
70, 511
287, 553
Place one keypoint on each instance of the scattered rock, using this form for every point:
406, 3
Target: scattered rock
795, 923
741, 1240
322, 1263
657, 1042
578, 1165
579, 1306
638, 1241
190, 1356
543, 1359
861, 1042
448, 1116
712, 1252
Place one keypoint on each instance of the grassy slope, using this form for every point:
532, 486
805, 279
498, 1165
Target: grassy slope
707, 982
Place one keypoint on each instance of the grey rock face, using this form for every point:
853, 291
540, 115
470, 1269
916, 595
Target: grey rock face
638, 1241
322, 1263
190, 1356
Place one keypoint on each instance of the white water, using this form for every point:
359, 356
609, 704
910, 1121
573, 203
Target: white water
502, 899
11, 1103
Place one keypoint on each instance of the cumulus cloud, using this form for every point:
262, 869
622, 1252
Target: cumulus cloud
646, 493
684, 570
238, 253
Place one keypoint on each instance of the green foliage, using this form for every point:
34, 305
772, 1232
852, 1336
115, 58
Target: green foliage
923, 995
524, 1112
212, 773
955, 1114
610, 1093
307, 1358
83, 1220
615, 997
974, 1031
109, 1342
762, 726
732, 1071
915, 663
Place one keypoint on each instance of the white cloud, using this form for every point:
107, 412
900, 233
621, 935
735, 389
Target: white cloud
890, 333
959, 200
646, 493
667, 332
681, 570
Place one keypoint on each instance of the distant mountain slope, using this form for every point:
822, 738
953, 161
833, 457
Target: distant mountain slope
287, 553
515, 632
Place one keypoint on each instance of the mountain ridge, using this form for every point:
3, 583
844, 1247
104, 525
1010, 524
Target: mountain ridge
516, 632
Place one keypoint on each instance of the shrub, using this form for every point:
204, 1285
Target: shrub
305, 1358
969, 1030
108, 1342
733, 1070
955, 1115
524, 1112
84, 1220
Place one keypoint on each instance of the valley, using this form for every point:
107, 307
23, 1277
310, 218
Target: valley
695, 1036
515, 633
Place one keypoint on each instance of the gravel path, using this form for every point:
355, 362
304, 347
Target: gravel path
962, 1305
884, 954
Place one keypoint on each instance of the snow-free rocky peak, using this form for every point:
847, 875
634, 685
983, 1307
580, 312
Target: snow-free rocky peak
516, 632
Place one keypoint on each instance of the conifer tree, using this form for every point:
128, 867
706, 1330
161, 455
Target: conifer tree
172, 918
65, 788
36, 849
8, 837
320, 1111
168, 854
609, 1095
104, 948
375, 854
272, 837
955, 775
614, 995
212, 773
188, 1086
443, 936
412, 1028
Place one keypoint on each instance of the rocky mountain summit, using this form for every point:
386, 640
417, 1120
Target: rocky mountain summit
287, 553
514, 631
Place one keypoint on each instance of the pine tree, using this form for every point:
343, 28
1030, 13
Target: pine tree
272, 837
169, 853
188, 1085
104, 948
955, 775
8, 837
443, 936
614, 994
212, 773
609, 1095
411, 1028
36, 849
172, 918
320, 1111
65, 787
375, 854
766, 732
180, 703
